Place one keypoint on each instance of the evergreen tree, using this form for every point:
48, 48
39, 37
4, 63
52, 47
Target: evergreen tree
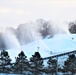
5, 62
36, 64
21, 64
70, 64
52, 65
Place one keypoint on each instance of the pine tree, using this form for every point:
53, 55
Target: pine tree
5, 62
52, 65
70, 64
21, 64
36, 64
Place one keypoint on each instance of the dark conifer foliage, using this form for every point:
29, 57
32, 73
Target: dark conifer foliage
52, 64
36, 64
70, 64
21, 64
5, 62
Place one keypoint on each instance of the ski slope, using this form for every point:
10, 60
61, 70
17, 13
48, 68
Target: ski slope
60, 43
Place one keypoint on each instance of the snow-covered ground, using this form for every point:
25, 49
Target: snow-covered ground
60, 43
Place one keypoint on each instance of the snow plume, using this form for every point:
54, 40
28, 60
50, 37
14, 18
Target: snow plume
8, 38
24, 33
60, 27
33, 31
28, 32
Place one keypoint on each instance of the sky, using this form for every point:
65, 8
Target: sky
15, 12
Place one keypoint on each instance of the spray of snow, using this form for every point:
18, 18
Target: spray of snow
60, 27
28, 32
10, 40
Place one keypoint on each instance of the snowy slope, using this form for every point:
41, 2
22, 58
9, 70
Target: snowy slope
58, 44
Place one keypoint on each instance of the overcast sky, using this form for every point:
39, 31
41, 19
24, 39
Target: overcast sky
15, 12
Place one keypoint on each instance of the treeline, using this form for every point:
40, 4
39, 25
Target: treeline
35, 65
